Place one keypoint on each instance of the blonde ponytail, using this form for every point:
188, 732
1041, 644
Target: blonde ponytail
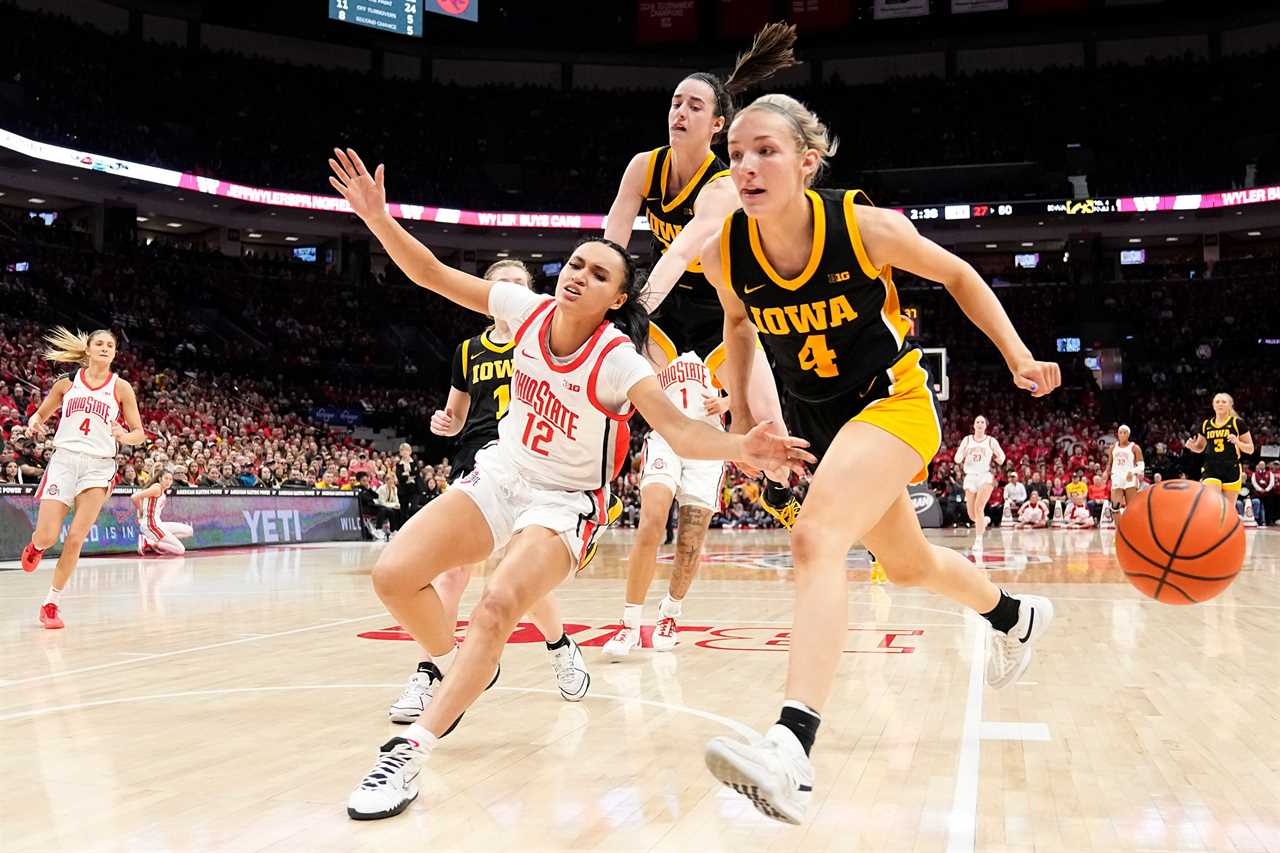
68, 347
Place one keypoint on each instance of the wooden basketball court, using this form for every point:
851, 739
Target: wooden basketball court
231, 700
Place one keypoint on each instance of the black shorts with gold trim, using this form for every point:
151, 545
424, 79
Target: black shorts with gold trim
1228, 475
898, 400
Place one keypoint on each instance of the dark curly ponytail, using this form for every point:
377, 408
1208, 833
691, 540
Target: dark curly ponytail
630, 317
771, 51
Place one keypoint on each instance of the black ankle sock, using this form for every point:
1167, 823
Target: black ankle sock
1005, 614
802, 723
560, 643
777, 494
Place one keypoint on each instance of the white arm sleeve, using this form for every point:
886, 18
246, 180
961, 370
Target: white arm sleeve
997, 452
964, 442
512, 304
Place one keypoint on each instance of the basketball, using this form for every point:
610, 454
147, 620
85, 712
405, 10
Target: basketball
1180, 542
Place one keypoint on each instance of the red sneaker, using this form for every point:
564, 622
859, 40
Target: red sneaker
49, 616
31, 557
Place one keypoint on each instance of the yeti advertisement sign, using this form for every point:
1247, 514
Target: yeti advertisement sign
219, 518
926, 505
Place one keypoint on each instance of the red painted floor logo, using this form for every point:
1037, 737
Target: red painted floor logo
753, 638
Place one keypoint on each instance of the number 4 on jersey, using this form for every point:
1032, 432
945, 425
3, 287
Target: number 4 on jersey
818, 357
84, 427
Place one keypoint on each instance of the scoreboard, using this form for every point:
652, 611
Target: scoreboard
393, 16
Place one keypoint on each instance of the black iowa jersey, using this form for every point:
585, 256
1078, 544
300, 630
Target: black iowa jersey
482, 369
668, 214
834, 327
1219, 452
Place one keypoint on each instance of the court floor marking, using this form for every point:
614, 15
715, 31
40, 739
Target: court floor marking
740, 728
157, 655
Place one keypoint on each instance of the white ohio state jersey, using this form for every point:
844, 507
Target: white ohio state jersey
556, 430
685, 380
149, 517
1122, 458
87, 415
977, 454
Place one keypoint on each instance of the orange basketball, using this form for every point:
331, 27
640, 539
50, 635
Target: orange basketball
1180, 543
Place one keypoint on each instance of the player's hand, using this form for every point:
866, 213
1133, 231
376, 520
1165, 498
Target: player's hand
118, 432
1038, 377
442, 422
1235, 440
775, 451
715, 404
367, 194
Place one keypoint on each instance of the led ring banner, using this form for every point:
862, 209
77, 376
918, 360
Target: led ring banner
590, 221
220, 518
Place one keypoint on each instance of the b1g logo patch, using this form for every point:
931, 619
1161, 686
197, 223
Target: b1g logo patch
472, 477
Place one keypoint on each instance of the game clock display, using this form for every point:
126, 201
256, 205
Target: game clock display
394, 16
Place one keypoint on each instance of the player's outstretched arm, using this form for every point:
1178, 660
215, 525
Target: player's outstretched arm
691, 439
890, 239
367, 196
714, 204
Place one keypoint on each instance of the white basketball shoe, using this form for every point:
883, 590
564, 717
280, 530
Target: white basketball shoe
391, 785
571, 672
621, 643
1008, 655
772, 772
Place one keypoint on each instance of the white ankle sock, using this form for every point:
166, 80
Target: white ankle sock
669, 607
426, 740
52, 597
632, 614
445, 662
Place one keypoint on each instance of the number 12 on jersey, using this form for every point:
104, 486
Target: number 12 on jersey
535, 441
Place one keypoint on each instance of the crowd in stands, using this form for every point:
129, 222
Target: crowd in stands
218, 417
1156, 127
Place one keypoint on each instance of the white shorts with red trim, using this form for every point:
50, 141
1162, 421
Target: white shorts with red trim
510, 503
694, 482
974, 482
71, 472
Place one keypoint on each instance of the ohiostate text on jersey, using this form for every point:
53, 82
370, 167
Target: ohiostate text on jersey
89, 405
537, 395
683, 371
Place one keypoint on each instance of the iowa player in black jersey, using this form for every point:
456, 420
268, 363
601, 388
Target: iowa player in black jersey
1223, 439
480, 381
812, 272
478, 397
684, 192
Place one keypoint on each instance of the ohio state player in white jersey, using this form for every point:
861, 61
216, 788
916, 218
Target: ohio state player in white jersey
83, 465
155, 535
975, 454
542, 487
695, 486
1125, 466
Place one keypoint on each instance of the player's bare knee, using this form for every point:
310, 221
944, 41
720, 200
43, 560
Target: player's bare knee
393, 578
497, 611
651, 530
810, 545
